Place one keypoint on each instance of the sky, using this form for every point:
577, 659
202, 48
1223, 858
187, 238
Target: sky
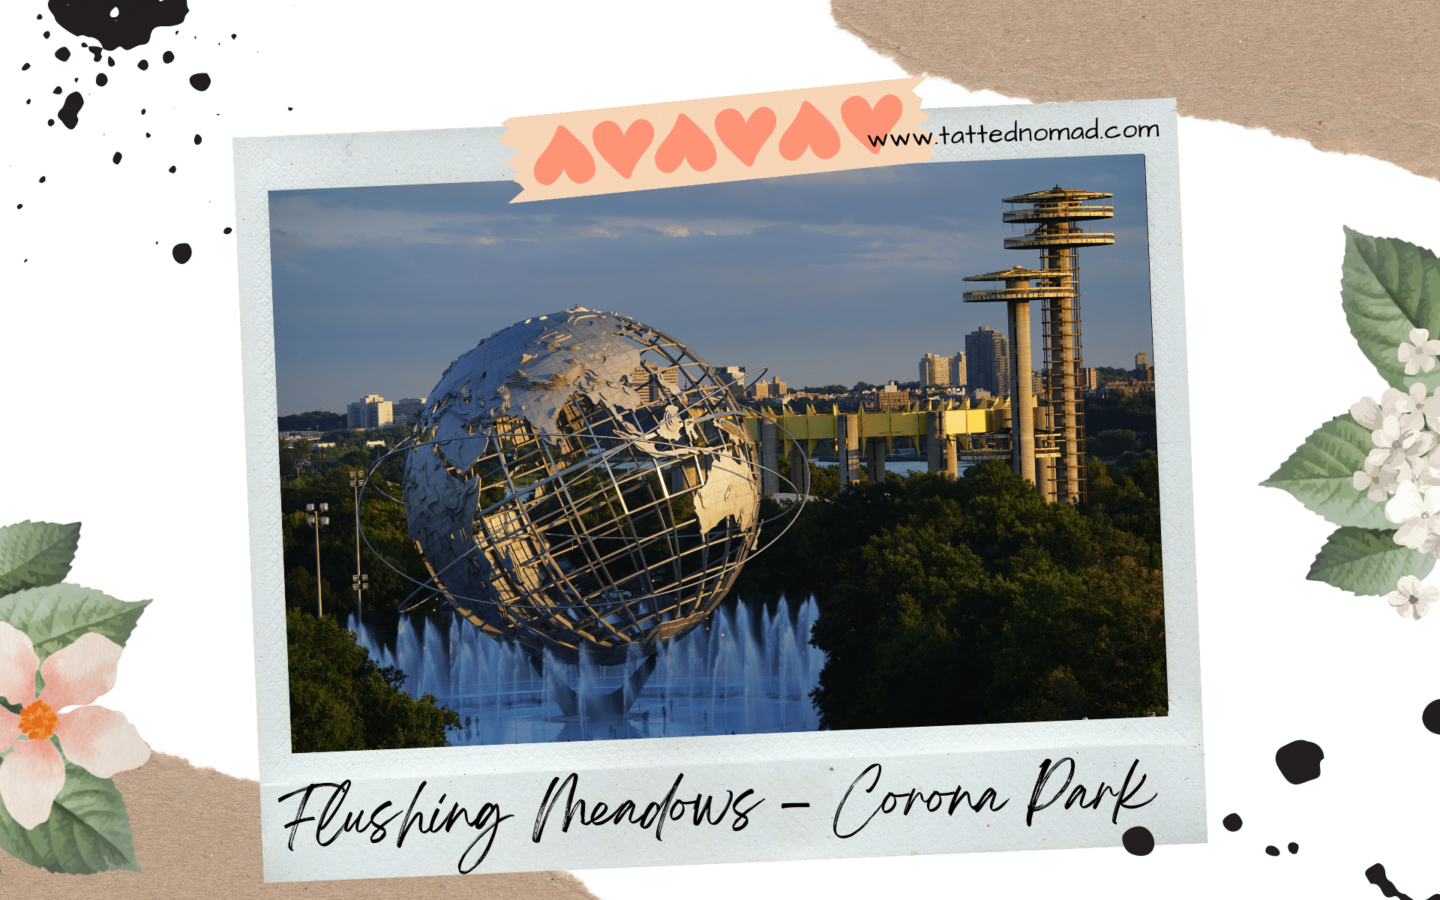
822, 279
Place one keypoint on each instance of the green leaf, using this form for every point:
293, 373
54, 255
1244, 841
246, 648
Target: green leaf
55, 615
1320, 474
88, 830
1387, 287
34, 554
1367, 562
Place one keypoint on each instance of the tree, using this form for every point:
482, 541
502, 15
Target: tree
341, 700
1111, 444
974, 600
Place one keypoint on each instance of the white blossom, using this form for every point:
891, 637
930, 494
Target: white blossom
1418, 405
1419, 354
1418, 514
1400, 439
1380, 483
1409, 599
1372, 415
1425, 475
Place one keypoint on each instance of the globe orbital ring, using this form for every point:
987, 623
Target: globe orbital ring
406, 444
793, 510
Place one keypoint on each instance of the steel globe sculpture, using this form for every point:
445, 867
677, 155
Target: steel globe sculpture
583, 485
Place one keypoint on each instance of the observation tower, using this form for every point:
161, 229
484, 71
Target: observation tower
1056, 214
1017, 294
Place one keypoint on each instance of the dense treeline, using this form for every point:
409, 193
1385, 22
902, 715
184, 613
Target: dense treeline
341, 700
315, 420
1135, 413
968, 601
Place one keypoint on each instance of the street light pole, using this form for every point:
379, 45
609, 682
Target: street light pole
315, 520
361, 582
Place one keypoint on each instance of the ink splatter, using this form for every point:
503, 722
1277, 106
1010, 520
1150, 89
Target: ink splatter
1299, 761
1431, 717
143, 64
1272, 850
59, 89
95, 50
181, 252
227, 230
63, 54
197, 140
1376, 876
69, 113
116, 158
1293, 847
102, 79
42, 179
24, 67
1232, 822
120, 25
172, 170
200, 81
1138, 840
168, 57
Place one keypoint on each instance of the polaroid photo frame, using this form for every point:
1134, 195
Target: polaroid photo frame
667, 800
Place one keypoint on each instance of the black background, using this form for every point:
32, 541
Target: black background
124, 383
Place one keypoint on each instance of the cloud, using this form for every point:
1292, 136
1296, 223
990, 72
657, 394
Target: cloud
673, 230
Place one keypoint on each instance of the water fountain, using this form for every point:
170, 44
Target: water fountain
748, 670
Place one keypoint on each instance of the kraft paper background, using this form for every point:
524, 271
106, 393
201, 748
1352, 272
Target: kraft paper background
1351, 77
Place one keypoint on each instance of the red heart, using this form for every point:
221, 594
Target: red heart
866, 123
565, 154
623, 149
685, 142
810, 129
744, 139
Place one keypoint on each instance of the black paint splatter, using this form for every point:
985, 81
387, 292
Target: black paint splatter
69, 113
1375, 874
200, 81
172, 170
1431, 717
95, 50
1138, 840
59, 89
181, 252
1299, 761
168, 57
143, 64
1272, 850
102, 79
227, 230
42, 179
109, 61
131, 28
197, 140
1293, 847
116, 158
1232, 822
63, 54
24, 67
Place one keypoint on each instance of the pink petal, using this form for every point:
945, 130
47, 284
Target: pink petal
101, 741
9, 729
18, 663
30, 777
77, 674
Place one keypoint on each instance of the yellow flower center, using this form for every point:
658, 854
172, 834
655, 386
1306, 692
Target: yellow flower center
38, 720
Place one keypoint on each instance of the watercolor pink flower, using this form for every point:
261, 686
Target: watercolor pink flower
97, 739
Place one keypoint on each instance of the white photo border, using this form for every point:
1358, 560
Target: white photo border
817, 768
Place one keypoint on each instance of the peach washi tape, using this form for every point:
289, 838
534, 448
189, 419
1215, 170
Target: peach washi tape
637, 148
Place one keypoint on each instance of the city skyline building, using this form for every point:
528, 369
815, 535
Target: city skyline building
406, 411
370, 411
733, 377
651, 387
770, 390
988, 355
946, 371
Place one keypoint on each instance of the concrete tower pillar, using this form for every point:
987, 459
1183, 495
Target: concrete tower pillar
934, 438
847, 447
769, 458
799, 470
1022, 394
1068, 466
875, 458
